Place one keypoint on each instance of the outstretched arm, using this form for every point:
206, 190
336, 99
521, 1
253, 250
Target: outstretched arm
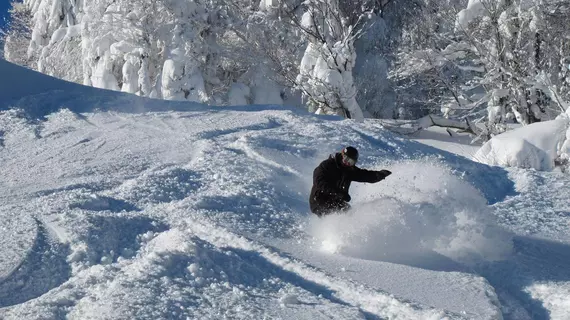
371, 176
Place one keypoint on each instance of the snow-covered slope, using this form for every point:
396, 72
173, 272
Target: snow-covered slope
118, 207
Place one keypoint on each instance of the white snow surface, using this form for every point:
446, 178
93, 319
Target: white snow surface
449, 140
114, 206
535, 146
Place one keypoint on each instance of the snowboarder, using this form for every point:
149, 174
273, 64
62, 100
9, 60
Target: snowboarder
332, 178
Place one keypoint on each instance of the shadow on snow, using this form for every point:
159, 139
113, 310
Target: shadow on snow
533, 261
44, 268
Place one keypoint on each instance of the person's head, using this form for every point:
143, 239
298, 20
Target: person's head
349, 156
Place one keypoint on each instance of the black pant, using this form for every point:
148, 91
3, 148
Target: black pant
322, 207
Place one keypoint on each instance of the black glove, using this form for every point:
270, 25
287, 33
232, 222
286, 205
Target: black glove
346, 197
382, 174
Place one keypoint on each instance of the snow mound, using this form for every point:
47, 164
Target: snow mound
289, 298
556, 297
423, 207
534, 146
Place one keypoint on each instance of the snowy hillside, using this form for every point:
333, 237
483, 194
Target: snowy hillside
114, 206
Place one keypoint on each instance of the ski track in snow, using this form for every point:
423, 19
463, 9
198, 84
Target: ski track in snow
42, 268
202, 214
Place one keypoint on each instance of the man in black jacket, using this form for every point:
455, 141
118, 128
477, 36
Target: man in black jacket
332, 178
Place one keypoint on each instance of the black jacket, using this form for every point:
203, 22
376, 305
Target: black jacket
331, 181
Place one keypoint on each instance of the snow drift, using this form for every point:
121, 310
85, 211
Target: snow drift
536, 146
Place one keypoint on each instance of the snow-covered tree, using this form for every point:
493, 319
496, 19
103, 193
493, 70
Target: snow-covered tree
17, 35
151, 48
161, 49
375, 93
210, 51
325, 73
265, 49
54, 35
429, 67
515, 45
487, 60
